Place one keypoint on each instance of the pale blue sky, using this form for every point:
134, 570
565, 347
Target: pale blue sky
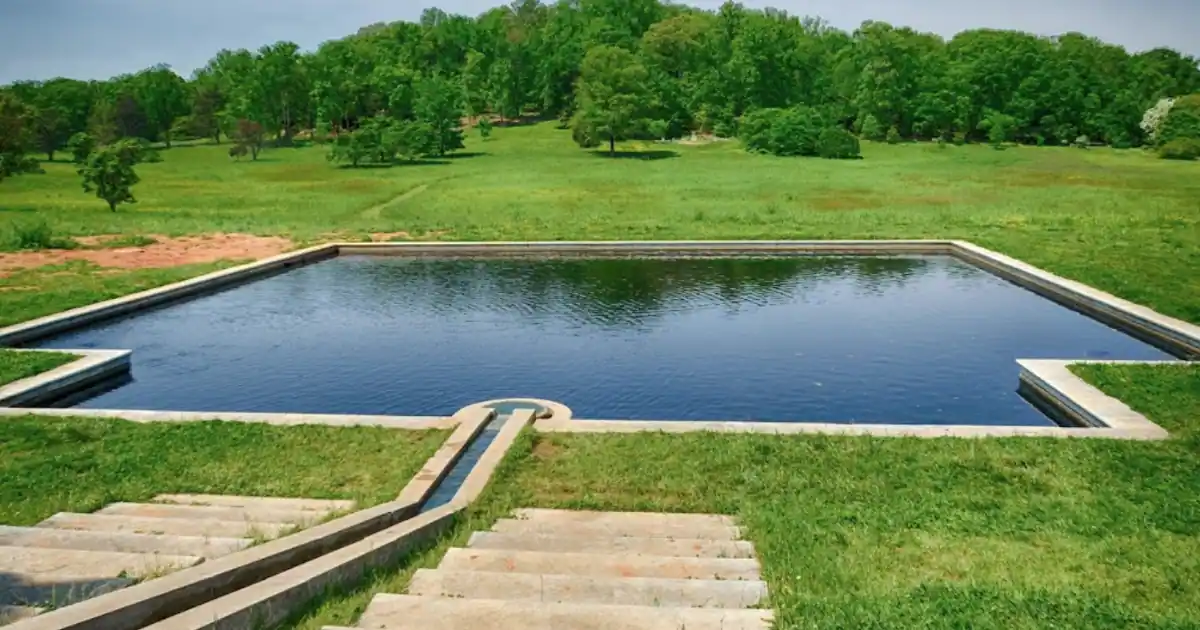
89, 39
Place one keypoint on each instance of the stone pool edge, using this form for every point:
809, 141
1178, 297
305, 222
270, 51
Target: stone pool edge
90, 367
1181, 338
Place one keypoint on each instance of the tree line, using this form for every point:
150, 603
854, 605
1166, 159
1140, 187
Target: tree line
615, 69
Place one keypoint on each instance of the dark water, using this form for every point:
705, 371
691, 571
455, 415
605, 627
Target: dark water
901, 340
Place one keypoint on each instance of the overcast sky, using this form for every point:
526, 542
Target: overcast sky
95, 39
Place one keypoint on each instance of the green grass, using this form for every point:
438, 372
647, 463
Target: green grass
15, 366
78, 465
858, 532
853, 532
29, 293
1120, 220
127, 240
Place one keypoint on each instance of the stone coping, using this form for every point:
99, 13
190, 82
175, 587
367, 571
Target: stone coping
91, 366
1178, 337
277, 576
148, 602
79, 317
1084, 404
278, 419
1111, 419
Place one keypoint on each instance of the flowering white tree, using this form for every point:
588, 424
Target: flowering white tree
1153, 119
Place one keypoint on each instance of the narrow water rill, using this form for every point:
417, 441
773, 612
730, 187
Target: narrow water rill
846, 339
444, 491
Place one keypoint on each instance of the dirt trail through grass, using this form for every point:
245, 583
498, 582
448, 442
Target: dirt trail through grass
374, 211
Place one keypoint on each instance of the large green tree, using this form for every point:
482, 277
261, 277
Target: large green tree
439, 104
704, 70
16, 137
612, 97
162, 96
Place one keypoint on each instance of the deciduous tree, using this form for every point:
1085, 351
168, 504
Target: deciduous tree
439, 104
108, 172
16, 138
250, 135
612, 97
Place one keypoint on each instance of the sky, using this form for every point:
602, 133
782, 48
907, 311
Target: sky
96, 39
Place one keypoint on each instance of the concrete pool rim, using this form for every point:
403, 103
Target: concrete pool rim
1094, 413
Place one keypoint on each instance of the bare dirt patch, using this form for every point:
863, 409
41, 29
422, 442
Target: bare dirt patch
845, 202
164, 252
544, 449
384, 237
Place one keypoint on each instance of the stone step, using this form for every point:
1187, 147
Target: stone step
649, 519
169, 526
275, 503
13, 614
629, 545
599, 565
35, 565
246, 514
589, 590
446, 613
17, 590
83, 540
613, 524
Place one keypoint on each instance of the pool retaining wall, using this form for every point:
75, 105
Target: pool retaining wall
1176, 336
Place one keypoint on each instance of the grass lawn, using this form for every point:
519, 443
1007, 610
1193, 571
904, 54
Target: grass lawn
1120, 220
853, 532
858, 532
29, 293
79, 465
15, 366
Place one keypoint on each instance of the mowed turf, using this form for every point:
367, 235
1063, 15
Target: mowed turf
1120, 220
81, 464
889, 533
15, 366
853, 532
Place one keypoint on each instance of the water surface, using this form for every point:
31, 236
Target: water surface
842, 339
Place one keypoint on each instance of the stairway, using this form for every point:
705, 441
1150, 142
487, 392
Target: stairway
70, 557
571, 570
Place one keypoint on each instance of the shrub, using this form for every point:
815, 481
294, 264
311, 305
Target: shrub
893, 136
81, 146
755, 129
33, 235
380, 139
109, 172
251, 135
871, 129
1180, 149
354, 147
1183, 120
796, 132
784, 132
144, 151
1153, 119
836, 143
1000, 128
322, 132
